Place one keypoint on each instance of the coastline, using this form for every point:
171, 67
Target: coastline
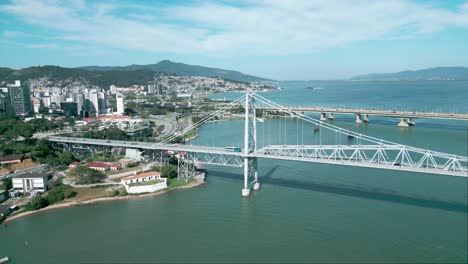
102, 199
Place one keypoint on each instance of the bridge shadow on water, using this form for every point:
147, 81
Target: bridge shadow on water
352, 191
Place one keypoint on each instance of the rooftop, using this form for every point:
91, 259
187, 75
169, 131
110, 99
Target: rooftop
32, 175
15, 157
142, 175
98, 165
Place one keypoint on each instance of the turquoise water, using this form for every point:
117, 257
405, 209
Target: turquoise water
438, 96
303, 212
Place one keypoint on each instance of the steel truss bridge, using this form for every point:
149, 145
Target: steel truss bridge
366, 151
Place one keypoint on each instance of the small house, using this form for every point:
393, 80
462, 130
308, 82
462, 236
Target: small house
99, 166
74, 164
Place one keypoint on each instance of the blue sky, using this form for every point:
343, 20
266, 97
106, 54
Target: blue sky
301, 39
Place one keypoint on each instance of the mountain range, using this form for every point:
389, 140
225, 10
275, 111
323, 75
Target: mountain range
438, 73
181, 69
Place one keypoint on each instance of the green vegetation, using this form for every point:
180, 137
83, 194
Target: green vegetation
59, 193
190, 134
174, 183
85, 175
37, 203
103, 156
11, 128
182, 69
112, 133
65, 158
167, 171
6, 184
103, 78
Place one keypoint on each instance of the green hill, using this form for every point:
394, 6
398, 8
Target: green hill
181, 69
439, 73
100, 78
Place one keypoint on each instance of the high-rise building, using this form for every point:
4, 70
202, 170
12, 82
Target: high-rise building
5, 107
79, 99
20, 99
94, 102
152, 88
120, 104
102, 102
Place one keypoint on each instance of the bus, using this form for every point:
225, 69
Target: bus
233, 149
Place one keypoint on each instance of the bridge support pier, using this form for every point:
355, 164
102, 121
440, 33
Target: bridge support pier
331, 116
323, 116
405, 122
366, 118
358, 118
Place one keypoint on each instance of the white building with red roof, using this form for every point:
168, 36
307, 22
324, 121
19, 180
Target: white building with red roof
115, 166
74, 164
150, 181
99, 166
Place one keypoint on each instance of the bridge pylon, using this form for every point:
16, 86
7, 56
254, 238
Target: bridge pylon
250, 145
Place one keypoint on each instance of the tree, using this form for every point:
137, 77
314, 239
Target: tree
85, 175
37, 203
59, 193
7, 182
65, 158
168, 171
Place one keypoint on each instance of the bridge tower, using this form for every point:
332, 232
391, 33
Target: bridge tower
250, 145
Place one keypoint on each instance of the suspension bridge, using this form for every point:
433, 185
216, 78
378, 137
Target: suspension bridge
333, 145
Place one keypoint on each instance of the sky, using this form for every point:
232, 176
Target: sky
278, 39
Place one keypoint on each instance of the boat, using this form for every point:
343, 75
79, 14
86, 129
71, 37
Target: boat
4, 260
261, 120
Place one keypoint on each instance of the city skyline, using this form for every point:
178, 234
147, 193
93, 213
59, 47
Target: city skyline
278, 40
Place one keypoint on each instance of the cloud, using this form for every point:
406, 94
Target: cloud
252, 27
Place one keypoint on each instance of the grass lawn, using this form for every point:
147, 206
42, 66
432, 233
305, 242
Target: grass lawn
173, 183
2, 187
84, 194
190, 134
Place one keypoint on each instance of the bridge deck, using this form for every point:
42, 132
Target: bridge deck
387, 113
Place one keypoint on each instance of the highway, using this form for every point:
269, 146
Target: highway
146, 145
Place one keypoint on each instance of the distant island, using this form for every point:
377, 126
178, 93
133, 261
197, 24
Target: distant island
438, 73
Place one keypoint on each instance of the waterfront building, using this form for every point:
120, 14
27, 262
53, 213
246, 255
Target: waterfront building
32, 182
120, 104
150, 181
